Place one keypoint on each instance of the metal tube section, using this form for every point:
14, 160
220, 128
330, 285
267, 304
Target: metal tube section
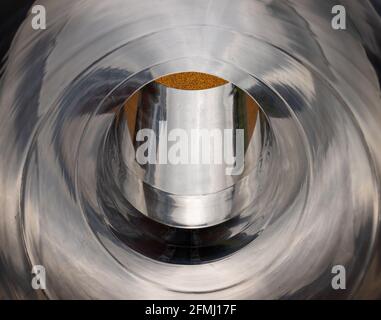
75, 200
185, 151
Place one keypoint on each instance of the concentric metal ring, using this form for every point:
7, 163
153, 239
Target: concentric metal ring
316, 201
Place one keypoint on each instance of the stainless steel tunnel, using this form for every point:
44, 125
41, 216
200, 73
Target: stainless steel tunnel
85, 123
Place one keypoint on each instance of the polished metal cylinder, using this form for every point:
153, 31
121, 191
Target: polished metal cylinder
186, 150
75, 200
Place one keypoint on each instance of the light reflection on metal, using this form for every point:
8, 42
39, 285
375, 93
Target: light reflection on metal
315, 200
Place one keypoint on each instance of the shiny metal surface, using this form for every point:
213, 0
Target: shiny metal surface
315, 202
201, 188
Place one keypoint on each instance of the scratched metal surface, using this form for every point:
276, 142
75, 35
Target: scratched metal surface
318, 195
